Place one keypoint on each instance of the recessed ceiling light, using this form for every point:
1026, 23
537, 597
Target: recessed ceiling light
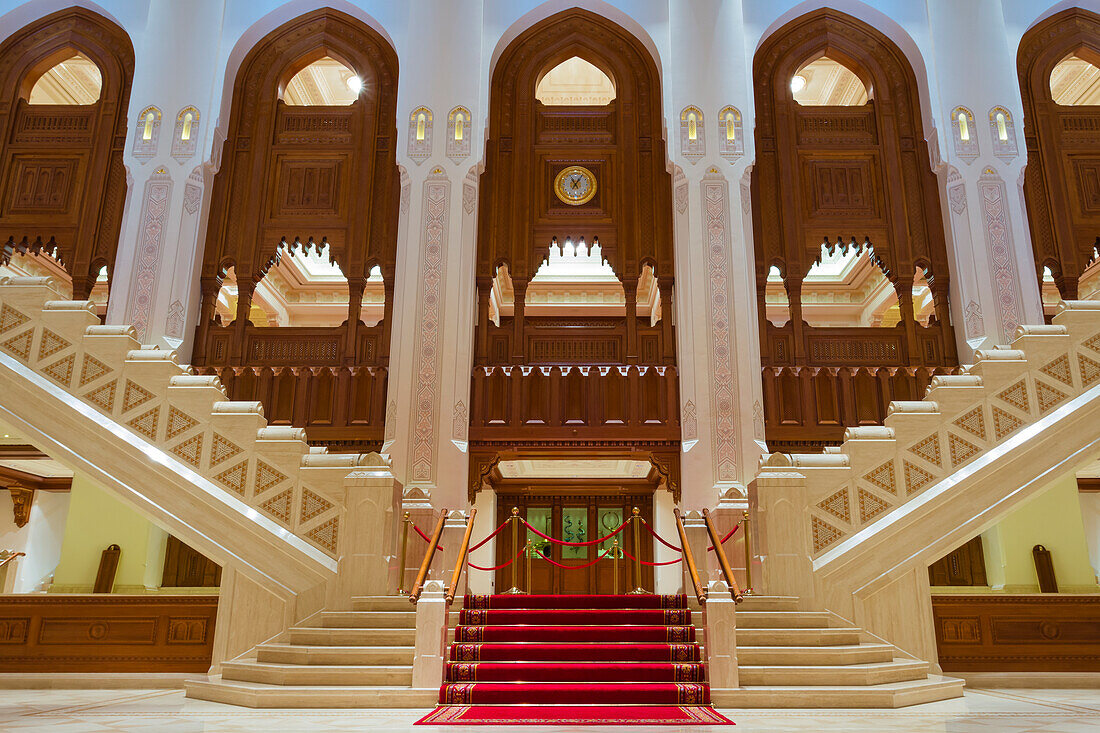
355, 84
798, 83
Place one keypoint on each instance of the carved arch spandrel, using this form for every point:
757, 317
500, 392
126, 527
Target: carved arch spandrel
859, 173
1062, 206
326, 175
84, 159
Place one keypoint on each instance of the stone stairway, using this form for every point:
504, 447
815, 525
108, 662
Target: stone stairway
789, 658
335, 659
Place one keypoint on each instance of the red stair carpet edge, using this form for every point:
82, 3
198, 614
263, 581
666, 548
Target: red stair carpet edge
572, 715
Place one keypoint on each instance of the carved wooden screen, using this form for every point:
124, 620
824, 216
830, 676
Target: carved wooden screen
856, 174
860, 175
570, 382
322, 175
64, 184
1062, 178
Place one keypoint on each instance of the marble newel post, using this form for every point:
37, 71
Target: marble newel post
154, 280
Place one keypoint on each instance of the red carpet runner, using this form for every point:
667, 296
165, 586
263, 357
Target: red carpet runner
574, 659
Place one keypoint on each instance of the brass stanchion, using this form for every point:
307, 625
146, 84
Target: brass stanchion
527, 552
515, 589
638, 589
615, 565
748, 554
404, 550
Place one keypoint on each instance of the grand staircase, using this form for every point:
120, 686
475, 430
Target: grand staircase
336, 659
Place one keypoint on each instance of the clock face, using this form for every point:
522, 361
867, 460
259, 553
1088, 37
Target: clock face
575, 185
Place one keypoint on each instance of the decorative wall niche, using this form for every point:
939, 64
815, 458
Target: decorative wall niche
964, 134
458, 134
185, 138
692, 145
420, 135
147, 133
731, 137
1003, 131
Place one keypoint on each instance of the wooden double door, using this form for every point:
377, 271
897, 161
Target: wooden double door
557, 569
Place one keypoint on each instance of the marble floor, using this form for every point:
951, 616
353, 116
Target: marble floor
168, 711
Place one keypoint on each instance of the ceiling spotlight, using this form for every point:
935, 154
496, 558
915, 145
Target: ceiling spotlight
355, 84
798, 83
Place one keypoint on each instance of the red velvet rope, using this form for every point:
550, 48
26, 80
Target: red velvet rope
723, 540
575, 544
659, 538
427, 538
579, 567
494, 534
497, 567
652, 564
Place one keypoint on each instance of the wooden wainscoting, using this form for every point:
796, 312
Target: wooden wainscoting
107, 633
1018, 633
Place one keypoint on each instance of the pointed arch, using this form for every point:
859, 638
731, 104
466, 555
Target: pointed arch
69, 189
859, 171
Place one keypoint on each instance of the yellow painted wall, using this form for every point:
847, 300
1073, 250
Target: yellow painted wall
1052, 519
97, 519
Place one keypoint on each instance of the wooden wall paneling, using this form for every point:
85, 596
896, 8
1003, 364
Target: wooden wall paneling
1060, 183
106, 633
1017, 633
186, 567
964, 566
76, 149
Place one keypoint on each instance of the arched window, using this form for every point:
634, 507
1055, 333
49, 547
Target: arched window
324, 83
575, 82
828, 83
185, 131
1075, 82
693, 126
421, 125
964, 126
76, 80
460, 123
147, 125
1002, 127
846, 289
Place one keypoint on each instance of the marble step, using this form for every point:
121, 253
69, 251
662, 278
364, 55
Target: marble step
797, 637
368, 619
889, 695
316, 674
331, 636
382, 603
256, 695
782, 619
875, 673
813, 655
313, 654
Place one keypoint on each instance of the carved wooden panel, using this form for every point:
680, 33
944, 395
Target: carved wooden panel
1025, 633
62, 180
1062, 182
321, 174
964, 566
106, 633
858, 174
807, 408
186, 567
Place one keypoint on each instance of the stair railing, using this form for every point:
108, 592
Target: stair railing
724, 563
700, 591
461, 562
433, 545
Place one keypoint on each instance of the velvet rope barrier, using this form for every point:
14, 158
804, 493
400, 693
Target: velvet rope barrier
575, 544
723, 540
494, 534
580, 567
426, 538
660, 539
498, 567
652, 564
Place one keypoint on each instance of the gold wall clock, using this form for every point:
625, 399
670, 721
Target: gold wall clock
575, 185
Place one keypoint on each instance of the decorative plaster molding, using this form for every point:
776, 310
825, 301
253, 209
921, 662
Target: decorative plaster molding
731, 136
437, 200
998, 236
1002, 129
154, 214
458, 134
147, 134
692, 134
187, 124
420, 135
965, 134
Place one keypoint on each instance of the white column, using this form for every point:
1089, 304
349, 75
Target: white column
154, 283
993, 282
716, 325
431, 351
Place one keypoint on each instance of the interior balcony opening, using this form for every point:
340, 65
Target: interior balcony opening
76, 80
48, 263
1075, 81
325, 82
575, 83
827, 83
